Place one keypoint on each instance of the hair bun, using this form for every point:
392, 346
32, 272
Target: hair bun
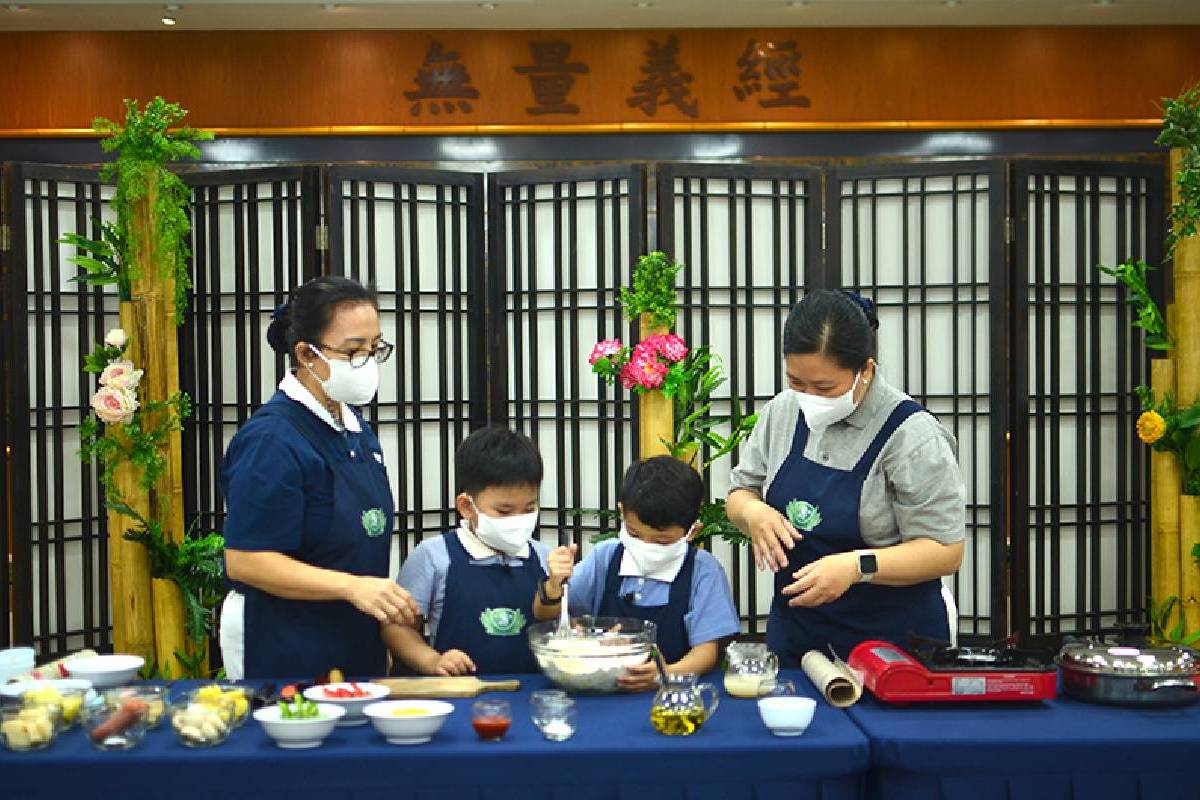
868, 308
281, 319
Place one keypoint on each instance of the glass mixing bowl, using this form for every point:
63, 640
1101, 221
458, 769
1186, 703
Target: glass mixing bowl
594, 655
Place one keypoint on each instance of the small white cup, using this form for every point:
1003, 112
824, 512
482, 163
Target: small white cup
786, 716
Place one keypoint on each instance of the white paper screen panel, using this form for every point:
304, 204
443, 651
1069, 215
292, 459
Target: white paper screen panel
1086, 471
247, 255
410, 235
742, 235
64, 320
918, 247
566, 245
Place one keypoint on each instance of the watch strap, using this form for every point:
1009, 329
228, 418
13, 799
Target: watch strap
544, 598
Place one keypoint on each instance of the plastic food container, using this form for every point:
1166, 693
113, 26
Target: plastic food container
116, 723
25, 729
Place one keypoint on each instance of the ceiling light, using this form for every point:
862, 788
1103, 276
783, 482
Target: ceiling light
166, 20
172, 9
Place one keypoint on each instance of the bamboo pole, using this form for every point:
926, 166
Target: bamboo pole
1165, 480
1187, 381
129, 563
656, 422
154, 304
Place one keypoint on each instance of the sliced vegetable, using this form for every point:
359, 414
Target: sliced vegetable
299, 708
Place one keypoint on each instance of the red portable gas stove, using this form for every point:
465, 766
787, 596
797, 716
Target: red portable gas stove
936, 672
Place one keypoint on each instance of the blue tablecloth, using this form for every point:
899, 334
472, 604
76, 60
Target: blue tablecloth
1057, 750
615, 754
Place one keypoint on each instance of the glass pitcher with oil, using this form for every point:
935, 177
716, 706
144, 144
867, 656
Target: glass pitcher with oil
750, 669
679, 708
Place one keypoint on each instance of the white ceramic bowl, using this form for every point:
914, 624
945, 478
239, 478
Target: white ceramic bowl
16, 655
106, 672
408, 721
354, 705
19, 688
299, 734
15, 661
786, 716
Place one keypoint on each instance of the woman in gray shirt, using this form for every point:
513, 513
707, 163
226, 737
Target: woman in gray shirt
849, 491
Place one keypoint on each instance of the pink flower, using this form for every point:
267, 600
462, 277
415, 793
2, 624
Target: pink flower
653, 374
645, 350
667, 345
606, 348
671, 347
629, 375
114, 405
650, 372
120, 375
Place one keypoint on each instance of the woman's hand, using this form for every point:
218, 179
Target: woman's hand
453, 662
639, 678
770, 532
383, 599
822, 581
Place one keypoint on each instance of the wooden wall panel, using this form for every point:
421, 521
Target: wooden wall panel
307, 79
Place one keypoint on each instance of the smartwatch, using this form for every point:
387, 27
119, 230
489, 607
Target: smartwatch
868, 565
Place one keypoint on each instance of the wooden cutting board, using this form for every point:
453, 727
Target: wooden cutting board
462, 686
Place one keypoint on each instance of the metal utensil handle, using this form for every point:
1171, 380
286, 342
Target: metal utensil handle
1154, 684
564, 613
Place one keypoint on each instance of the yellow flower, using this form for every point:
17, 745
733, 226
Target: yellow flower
1151, 427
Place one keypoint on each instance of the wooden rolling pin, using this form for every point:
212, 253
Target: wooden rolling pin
462, 686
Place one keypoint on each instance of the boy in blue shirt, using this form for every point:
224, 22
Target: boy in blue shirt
651, 572
474, 587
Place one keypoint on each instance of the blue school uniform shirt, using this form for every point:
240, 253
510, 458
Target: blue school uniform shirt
423, 573
710, 615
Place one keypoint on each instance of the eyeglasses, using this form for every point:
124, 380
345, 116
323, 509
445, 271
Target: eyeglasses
358, 358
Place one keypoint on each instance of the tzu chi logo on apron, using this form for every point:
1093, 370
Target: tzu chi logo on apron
804, 515
502, 621
374, 522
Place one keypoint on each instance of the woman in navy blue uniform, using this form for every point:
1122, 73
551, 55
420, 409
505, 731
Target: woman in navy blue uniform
309, 523
850, 492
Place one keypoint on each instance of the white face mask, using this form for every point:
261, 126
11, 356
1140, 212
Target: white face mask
655, 560
347, 384
821, 412
507, 535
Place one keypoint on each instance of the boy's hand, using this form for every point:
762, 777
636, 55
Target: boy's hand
559, 564
453, 662
639, 678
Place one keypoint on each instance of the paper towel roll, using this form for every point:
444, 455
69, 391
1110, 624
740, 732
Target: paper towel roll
834, 679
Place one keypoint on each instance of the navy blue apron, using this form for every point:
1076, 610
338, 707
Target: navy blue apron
486, 610
304, 638
866, 610
668, 620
